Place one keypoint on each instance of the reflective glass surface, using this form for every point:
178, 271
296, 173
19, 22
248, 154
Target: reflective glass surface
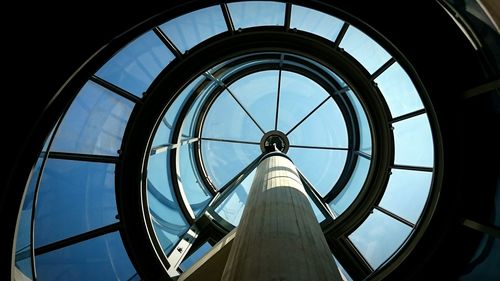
324, 128
321, 167
223, 160
232, 207
351, 190
258, 93
364, 49
167, 219
406, 193
365, 142
194, 257
101, 258
189, 179
398, 90
94, 123
413, 142
190, 29
315, 22
256, 13
79, 192
135, 66
378, 237
227, 120
298, 97
23, 239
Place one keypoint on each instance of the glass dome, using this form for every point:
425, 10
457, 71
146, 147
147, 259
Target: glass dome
176, 121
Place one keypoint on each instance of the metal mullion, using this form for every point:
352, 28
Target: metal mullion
342, 32
486, 229
394, 216
288, 15
233, 183
408, 115
412, 168
482, 89
383, 68
316, 197
83, 157
350, 257
244, 109
168, 43
278, 94
319, 147
231, 141
77, 239
163, 148
180, 250
115, 89
309, 114
227, 17
364, 154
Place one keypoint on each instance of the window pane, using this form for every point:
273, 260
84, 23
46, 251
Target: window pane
365, 142
407, 193
82, 193
258, 93
343, 273
378, 237
325, 127
315, 22
351, 190
94, 123
398, 90
189, 179
224, 160
194, 257
298, 97
101, 258
135, 66
364, 49
322, 167
227, 120
232, 207
190, 29
166, 216
413, 142
256, 13
23, 239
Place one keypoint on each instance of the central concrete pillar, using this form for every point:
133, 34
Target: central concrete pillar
278, 237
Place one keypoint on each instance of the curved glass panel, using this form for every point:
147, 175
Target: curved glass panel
94, 123
256, 13
365, 135
364, 49
398, 90
321, 167
298, 97
189, 179
258, 93
232, 207
406, 193
324, 128
167, 219
223, 160
101, 258
82, 193
190, 29
351, 190
315, 22
413, 142
135, 66
23, 238
228, 121
378, 237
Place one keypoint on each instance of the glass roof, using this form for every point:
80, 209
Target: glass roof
207, 142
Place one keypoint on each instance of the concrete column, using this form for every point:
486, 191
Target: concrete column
278, 237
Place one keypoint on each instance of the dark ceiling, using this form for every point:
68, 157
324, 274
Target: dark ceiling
44, 43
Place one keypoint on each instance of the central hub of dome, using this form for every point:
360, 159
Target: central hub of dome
274, 141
